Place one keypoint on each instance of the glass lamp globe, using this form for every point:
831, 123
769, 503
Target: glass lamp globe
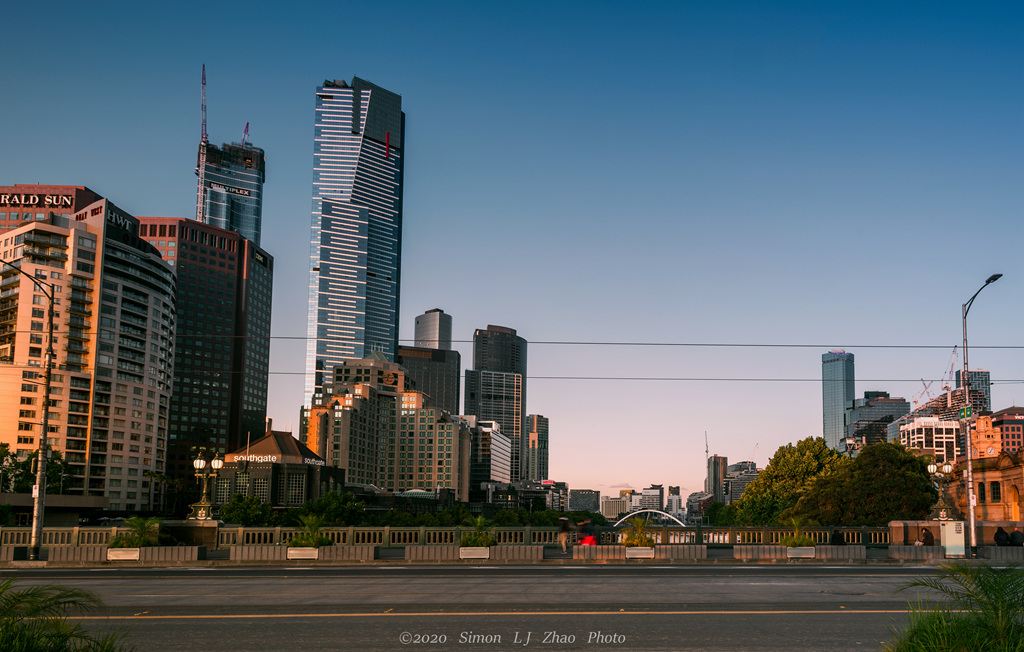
947, 467
199, 463
932, 468
217, 463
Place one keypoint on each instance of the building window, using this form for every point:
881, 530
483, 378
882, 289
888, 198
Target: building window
981, 492
261, 489
296, 488
224, 490
242, 483
995, 492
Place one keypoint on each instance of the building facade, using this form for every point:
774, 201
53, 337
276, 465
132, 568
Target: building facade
584, 500
356, 235
932, 436
868, 419
837, 390
436, 372
233, 189
113, 340
1010, 423
714, 484
496, 386
434, 330
222, 339
980, 380
371, 423
537, 448
491, 459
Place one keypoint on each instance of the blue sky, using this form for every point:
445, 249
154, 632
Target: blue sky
824, 174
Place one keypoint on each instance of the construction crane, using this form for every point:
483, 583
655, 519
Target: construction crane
201, 164
952, 372
926, 394
245, 136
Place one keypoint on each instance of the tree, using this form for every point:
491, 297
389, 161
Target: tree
778, 487
23, 473
885, 482
248, 511
721, 514
336, 509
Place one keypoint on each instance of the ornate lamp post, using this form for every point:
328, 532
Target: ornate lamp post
965, 420
203, 510
942, 511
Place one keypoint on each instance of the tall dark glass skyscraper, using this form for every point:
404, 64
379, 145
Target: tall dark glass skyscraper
496, 387
233, 193
836, 392
356, 233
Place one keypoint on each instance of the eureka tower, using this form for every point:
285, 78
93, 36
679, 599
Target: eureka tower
356, 232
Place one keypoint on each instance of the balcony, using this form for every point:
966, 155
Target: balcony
79, 308
51, 253
81, 284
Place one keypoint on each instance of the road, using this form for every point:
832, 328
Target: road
384, 607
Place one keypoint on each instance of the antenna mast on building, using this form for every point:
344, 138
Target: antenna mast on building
245, 136
201, 165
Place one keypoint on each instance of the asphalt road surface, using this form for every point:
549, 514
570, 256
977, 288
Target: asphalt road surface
384, 607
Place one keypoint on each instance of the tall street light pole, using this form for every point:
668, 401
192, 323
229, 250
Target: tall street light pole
966, 422
39, 491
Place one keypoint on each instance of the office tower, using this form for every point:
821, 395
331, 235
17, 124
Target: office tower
496, 386
434, 330
584, 500
356, 236
113, 341
836, 391
980, 381
868, 418
1010, 425
492, 453
436, 372
715, 482
652, 497
932, 436
420, 448
613, 508
537, 448
222, 339
233, 188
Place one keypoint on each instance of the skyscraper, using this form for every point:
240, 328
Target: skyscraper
496, 386
537, 448
356, 232
434, 330
222, 339
836, 391
233, 189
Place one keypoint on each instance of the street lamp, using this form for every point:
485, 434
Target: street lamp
941, 511
203, 510
39, 491
965, 416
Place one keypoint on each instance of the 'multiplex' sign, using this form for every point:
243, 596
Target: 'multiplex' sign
16, 200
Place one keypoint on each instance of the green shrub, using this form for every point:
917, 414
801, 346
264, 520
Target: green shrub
796, 541
982, 609
481, 537
142, 532
636, 534
310, 536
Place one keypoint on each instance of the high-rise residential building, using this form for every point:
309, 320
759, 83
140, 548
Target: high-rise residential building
611, 507
222, 339
113, 340
434, 330
436, 372
496, 386
837, 389
584, 500
356, 233
233, 189
980, 381
868, 419
537, 448
714, 484
946, 407
371, 423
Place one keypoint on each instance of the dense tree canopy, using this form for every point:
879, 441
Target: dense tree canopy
778, 487
885, 482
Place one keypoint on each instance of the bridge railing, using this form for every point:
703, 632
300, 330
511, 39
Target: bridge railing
228, 536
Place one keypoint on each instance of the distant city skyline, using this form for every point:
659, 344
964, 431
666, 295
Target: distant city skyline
781, 181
